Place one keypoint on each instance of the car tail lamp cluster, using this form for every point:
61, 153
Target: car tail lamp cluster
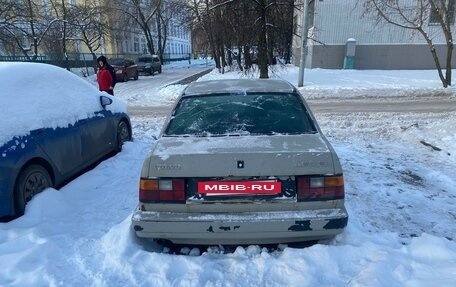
161, 190
320, 187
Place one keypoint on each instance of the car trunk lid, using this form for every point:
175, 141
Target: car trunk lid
240, 156
239, 168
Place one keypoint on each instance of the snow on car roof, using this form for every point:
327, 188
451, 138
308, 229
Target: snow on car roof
35, 95
239, 86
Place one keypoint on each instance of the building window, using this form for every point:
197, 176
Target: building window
434, 16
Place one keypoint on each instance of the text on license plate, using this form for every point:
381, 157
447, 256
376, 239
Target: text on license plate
239, 187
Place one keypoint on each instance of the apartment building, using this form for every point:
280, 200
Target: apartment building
96, 27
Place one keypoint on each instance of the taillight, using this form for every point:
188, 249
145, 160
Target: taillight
160, 190
320, 187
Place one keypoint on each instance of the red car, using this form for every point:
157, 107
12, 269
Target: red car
125, 69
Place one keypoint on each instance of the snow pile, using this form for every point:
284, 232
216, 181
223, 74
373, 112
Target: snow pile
400, 195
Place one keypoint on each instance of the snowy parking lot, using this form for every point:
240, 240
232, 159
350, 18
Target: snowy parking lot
400, 181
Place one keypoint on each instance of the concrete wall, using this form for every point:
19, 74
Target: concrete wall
336, 21
387, 57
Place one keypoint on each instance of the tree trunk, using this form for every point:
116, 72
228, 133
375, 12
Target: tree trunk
159, 34
238, 58
435, 57
32, 28
64, 50
448, 63
149, 40
262, 41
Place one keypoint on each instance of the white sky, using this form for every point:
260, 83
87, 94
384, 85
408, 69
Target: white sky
400, 195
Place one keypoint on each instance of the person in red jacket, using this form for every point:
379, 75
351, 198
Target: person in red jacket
104, 78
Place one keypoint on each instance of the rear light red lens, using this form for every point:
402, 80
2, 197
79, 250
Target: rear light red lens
320, 188
166, 190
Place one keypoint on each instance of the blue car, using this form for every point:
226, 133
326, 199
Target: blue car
54, 126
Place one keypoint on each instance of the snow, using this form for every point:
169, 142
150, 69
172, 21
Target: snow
400, 195
25, 89
208, 145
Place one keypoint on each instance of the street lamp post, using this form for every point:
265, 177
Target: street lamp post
304, 30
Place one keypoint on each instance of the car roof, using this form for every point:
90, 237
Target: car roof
239, 86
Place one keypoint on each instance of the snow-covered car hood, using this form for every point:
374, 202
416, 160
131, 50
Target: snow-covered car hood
275, 155
37, 95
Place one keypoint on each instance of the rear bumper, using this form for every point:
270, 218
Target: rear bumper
144, 71
240, 228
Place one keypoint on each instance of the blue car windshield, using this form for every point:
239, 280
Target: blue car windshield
240, 114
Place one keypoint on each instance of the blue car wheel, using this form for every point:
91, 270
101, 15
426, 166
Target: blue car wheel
31, 181
123, 134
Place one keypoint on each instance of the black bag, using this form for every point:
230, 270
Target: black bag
113, 74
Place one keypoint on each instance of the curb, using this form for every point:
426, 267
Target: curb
191, 78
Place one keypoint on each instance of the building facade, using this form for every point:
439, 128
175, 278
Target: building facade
337, 27
129, 39
110, 26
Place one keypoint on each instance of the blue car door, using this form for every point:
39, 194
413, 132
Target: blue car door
63, 147
98, 138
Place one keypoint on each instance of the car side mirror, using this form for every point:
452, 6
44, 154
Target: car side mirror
105, 101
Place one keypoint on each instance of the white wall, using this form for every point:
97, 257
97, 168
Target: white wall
336, 21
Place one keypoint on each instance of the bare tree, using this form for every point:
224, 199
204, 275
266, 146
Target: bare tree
6, 12
88, 25
258, 28
282, 30
415, 16
169, 11
26, 26
205, 20
162, 30
6, 18
142, 13
55, 41
91, 29
261, 8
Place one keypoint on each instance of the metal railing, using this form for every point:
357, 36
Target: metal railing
80, 60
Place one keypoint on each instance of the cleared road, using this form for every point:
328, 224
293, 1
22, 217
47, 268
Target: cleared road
143, 100
405, 105
428, 105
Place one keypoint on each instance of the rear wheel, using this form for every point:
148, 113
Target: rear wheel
125, 77
136, 76
123, 134
160, 70
31, 181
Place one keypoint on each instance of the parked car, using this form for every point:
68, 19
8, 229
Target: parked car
54, 126
125, 69
148, 65
240, 162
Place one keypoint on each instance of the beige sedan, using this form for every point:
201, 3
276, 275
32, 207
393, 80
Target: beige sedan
240, 162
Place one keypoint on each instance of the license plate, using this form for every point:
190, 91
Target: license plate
239, 187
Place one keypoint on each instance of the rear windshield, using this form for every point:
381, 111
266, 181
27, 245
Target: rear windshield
145, 60
217, 115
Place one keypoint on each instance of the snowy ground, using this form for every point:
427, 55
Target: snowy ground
400, 194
